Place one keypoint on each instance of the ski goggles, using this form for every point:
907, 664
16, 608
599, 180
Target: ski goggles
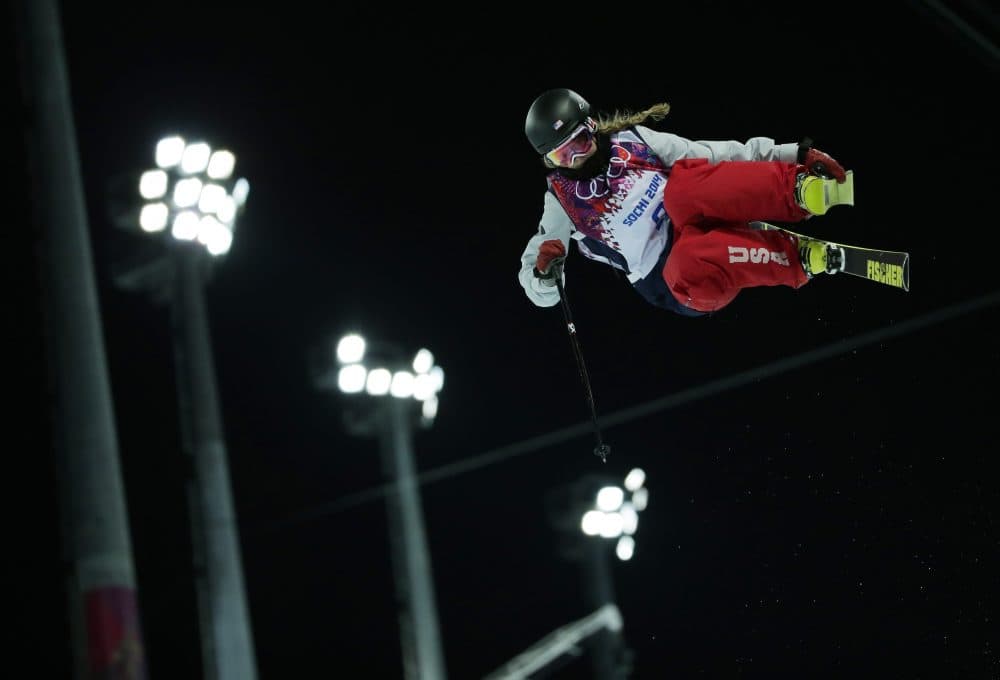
577, 144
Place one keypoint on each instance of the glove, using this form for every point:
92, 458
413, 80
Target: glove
551, 252
819, 163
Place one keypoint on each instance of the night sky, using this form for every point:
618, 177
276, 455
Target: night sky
837, 518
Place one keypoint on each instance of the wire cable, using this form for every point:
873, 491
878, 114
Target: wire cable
687, 396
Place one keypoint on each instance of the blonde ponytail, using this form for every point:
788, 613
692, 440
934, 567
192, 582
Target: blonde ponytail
624, 119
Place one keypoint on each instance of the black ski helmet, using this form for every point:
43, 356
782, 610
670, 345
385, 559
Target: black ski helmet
552, 118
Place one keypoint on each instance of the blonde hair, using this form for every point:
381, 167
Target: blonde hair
620, 120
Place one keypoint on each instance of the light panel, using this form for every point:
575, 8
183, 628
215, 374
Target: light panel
186, 225
169, 151
591, 522
383, 380
429, 408
192, 178
351, 349
610, 498
221, 241
630, 518
402, 384
211, 198
351, 378
423, 387
153, 184
221, 164
612, 525
635, 479
379, 381
240, 191
640, 498
423, 361
214, 235
615, 513
625, 548
153, 217
227, 210
186, 192
195, 158
437, 373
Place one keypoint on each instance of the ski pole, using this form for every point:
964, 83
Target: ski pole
601, 450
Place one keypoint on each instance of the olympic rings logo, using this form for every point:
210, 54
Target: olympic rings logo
620, 156
617, 167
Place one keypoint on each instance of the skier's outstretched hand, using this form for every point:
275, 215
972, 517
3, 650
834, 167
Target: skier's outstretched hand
819, 163
549, 253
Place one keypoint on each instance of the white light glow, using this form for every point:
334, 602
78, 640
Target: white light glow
635, 479
610, 498
211, 198
423, 362
630, 518
240, 191
625, 548
214, 235
169, 151
154, 216
153, 184
612, 525
227, 210
351, 378
592, 522
402, 384
350, 349
185, 227
195, 158
438, 374
430, 408
379, 380
221, 242
423, 387
640, 499
186, 192
221, 164
206, 225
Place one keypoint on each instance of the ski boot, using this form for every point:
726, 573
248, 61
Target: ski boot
820, 257
817, 194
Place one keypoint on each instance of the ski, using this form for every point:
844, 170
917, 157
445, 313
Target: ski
889, 267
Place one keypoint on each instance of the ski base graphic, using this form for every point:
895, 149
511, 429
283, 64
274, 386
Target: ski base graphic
888, 267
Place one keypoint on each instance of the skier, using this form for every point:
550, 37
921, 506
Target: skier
674, 215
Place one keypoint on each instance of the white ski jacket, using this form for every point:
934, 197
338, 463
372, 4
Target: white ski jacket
625, 225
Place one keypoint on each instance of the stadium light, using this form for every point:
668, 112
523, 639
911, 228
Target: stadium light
191, 194
595, 515
615, 513
385, 373
177, 219
386, 391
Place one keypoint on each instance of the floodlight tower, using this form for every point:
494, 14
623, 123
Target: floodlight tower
103, 604
593, 513
387, 394
186, 207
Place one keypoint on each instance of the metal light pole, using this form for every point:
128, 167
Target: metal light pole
192, 192
604, 512
563, 640
607, 647
227, 641
389, 399
103, 609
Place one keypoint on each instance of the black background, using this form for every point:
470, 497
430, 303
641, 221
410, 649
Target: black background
834, 519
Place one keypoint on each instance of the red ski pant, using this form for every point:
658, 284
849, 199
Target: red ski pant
715, 253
